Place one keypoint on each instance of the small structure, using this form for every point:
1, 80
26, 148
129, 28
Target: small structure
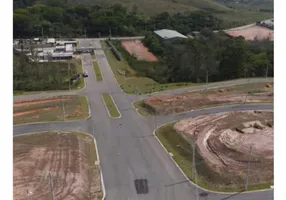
51, 41
69, 48
60, 48
55, 56
166, 35
73, 43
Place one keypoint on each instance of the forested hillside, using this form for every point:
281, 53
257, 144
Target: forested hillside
94, 21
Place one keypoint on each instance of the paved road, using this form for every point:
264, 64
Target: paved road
127, 148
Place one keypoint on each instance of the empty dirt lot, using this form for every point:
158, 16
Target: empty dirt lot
137, 49
249, 93
224, 141
51, 109
253, 32
69, 157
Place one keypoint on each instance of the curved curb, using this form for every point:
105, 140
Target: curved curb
190, 181
96, 149
51, 122
108, 109
219, 106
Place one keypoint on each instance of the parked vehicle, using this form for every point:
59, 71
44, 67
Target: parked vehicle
85, 74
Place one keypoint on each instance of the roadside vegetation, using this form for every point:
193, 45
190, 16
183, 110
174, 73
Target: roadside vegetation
84, 177
47, 76
110, 106
181, 152
208, 57
97, 71
61, 108
131, 82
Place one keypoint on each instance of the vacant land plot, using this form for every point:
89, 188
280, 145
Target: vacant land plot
97, 72
137, 49
130, 82
223, 144
52, 109
253, 33
50, 76
110, 105
70, 158
247, 93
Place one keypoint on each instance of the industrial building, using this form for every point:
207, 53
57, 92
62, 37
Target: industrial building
55, 56
166, 35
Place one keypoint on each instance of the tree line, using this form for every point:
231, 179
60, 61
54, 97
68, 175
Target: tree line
33, 76
210, 57
60, 19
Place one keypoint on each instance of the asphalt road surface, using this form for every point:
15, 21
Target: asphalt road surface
127, 148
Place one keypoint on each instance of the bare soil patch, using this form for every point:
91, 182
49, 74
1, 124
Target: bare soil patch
70, 158
137, 49
253, 32
38, 101
50, 109
223, 140
249, 93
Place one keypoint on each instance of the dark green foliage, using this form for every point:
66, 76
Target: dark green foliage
60, 19
211, 57
28, 76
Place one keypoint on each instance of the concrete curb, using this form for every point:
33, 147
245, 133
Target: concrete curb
99, 71
108, 109
225, 105
190, 181
209, 88
97, 155
50, 122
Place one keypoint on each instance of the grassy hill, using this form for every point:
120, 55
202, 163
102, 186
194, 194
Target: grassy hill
151, 7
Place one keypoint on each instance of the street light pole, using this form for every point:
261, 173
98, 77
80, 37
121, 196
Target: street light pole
63, 107
52, 186
248, 168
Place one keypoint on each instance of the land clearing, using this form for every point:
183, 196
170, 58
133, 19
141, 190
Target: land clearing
69, 157
137, 49
223, 144
253, 33
247, 93
51, 109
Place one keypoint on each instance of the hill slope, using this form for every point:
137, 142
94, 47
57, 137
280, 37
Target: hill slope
152, 7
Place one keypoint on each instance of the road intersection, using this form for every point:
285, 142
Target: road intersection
127, 148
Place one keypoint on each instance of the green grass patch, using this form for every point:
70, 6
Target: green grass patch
110, 105
139, 105
97, 72
207, 178
130, 83
51, 109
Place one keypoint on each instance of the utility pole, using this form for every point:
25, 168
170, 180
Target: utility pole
69, 77
173, 99
109, 32
248, 168
63, 106
42, 33
85, 32
267, 66
194, 159
52, 186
